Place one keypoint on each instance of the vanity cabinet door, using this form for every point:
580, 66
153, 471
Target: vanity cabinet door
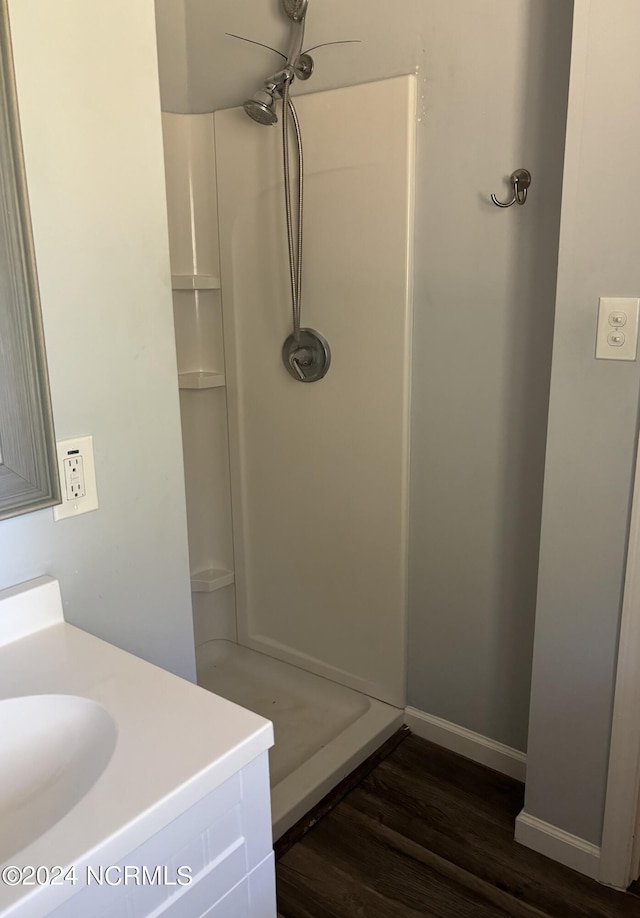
254, 897
226, 842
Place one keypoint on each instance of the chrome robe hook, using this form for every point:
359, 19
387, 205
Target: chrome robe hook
521, 181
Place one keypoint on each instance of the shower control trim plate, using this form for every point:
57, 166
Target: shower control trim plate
308, 359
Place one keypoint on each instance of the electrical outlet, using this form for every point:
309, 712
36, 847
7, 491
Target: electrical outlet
77, 478
74, 477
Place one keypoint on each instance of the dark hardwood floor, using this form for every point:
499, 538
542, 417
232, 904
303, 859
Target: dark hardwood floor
427, 832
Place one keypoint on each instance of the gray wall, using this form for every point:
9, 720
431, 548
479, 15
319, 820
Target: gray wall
592, 433
493, 77
88, 95
495, 100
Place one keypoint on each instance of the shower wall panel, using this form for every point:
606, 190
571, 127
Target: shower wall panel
320, 471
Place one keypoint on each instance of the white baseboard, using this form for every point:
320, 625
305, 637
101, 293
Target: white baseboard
465, 742
531, 832
559, 845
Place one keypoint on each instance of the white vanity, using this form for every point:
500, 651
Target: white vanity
124, 790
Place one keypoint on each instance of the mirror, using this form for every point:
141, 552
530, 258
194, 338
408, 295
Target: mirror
28, 467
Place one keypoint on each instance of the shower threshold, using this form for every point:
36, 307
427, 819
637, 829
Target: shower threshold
322, 730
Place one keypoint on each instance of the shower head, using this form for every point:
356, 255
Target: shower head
295, 9
262, 108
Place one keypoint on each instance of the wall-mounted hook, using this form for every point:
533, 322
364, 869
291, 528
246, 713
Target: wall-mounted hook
521, 180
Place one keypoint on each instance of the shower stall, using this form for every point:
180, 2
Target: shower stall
297, 494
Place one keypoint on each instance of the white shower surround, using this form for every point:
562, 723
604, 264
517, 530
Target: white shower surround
329, 606
320, 472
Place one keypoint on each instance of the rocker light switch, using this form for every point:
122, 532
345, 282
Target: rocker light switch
617, 337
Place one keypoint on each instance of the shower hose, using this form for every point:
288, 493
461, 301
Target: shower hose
294, 236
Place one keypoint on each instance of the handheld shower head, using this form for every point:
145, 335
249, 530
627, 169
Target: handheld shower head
295, 9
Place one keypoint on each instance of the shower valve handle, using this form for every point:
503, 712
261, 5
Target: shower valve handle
295, 363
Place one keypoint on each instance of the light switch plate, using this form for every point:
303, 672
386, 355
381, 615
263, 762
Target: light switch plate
617, 337
80, 448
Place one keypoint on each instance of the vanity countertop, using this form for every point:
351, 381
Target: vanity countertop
175, 742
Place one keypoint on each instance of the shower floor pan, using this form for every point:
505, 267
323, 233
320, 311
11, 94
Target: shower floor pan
322, 730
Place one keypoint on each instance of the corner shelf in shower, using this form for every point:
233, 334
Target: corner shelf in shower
201, 380
195, 282
211, 580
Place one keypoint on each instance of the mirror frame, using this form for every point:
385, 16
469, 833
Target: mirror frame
28, 463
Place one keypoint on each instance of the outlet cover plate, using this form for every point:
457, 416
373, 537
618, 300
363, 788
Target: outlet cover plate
79, 446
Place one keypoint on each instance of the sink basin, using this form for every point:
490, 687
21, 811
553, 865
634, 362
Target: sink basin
53, 750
